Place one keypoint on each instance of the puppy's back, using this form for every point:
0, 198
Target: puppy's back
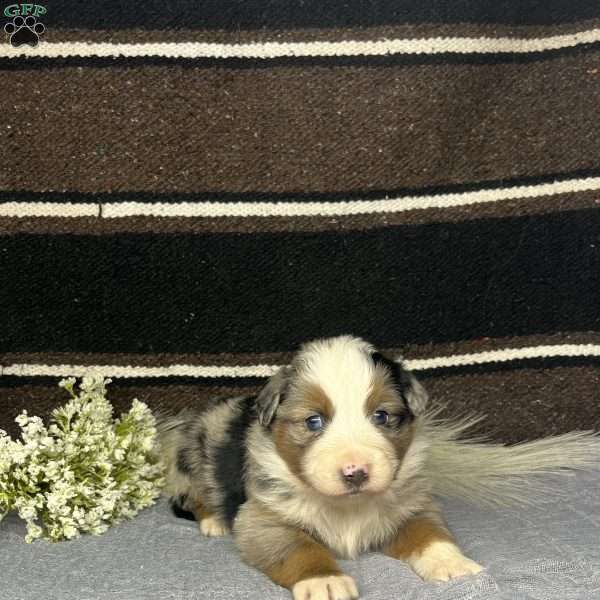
205, 453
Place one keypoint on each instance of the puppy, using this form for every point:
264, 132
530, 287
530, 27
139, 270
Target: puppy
336, 456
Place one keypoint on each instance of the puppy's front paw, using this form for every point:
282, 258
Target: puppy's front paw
334, 587
443, 561
213, 527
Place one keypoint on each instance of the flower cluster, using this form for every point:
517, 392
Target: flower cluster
85, 471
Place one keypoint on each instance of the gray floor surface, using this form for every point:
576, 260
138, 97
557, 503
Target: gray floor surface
551, 551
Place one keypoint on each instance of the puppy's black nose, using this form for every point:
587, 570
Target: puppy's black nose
354, 478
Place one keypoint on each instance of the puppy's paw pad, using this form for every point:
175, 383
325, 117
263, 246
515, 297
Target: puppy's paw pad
444, 561
213, 527
334, 587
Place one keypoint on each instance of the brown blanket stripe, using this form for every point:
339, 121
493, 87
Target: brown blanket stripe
519, 405
568, 178
165, 212
323, 130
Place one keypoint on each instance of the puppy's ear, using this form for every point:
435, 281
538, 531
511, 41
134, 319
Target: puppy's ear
415, 394
410, 389
270, 396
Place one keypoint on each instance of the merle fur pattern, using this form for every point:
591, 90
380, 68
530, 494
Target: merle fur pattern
207, 449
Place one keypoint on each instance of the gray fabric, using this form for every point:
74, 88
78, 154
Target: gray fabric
541, 553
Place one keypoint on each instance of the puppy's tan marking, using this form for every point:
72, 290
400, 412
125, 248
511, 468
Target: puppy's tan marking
213, 527
383, 396
200, 511
290, 435
210, 525
430, 550
287, 447
402, 441
416, 535
309, 399
288, 555
308, 561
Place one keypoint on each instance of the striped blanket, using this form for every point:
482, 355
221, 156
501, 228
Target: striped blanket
189, 190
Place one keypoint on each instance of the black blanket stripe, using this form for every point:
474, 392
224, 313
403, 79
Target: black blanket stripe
258, 14
253, 293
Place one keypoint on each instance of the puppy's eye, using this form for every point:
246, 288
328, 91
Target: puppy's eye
380, 417
314, 423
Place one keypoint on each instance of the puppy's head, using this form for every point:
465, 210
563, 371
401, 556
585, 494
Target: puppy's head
341, 416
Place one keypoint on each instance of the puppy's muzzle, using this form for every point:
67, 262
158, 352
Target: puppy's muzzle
355, 476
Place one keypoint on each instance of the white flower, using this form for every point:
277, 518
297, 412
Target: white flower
67, 383
85, 471
70, 531
27, 512
22, 419
33, 532
19, 455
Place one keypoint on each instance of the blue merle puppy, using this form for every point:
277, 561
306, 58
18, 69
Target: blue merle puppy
334, 457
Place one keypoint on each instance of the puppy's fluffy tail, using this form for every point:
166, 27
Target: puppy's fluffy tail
493, 474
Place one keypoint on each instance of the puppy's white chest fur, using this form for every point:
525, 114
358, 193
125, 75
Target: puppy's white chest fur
348, 527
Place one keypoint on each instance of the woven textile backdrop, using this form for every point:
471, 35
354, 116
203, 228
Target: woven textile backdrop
189, 190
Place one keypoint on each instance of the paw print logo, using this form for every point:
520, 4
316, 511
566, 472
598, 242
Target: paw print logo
24, 31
